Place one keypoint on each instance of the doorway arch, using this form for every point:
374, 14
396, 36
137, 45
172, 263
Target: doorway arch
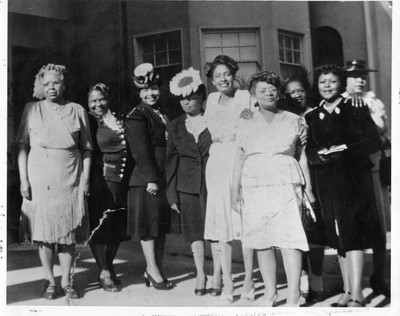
327, 46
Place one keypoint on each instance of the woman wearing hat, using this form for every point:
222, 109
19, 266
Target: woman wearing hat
148, 209
356, 75
187, 153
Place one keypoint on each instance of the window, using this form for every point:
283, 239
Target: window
290, 53
241, 45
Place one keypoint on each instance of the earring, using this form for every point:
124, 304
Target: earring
277, 98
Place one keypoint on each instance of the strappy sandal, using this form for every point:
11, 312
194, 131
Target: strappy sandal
70, 291
49, 291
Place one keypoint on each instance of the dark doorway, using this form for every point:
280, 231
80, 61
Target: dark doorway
327, 47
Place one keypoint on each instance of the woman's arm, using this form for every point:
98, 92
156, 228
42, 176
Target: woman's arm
306, 172
23, 154
236, 178
171, 169
87, 162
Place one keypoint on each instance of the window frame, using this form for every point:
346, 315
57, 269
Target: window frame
301, 37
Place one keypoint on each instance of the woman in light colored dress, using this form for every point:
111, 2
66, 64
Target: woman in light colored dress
271, 181
54, 164
222, 225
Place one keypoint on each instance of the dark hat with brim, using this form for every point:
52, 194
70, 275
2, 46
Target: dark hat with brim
145, 77
357, 66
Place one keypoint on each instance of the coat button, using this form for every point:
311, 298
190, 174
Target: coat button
123, 142
122, 164
124, 159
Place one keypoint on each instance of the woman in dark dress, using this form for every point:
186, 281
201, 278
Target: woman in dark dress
340, 139
187, 153
108, 184
148, 208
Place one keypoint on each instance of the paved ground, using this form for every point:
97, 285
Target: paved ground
25, 280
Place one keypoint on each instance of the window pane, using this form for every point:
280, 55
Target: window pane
147, 46
174, 40
232, 52
247, 39
212, 40
148, 58
296, 43
160, 44
281, 54
211, 53
280, 38
248, 53
288, 43
230, 39
297, 59
161, 59
288, 56
175, 56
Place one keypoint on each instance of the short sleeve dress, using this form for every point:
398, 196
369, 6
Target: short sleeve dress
56, 139
222, 223
271, 182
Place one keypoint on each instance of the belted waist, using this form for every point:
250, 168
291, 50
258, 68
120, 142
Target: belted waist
224, 139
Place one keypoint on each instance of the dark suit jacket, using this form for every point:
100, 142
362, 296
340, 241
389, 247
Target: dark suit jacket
186, 159
359, 134
146, 137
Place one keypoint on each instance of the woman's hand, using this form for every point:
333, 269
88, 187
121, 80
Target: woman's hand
246, 114
235, 199
175, 207
311, 196
356, 100
26, 190
324, 158
303, 133
152, 188
86, 188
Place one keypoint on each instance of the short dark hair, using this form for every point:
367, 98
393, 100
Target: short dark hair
327, 69
294, 79
221, 60
269, 77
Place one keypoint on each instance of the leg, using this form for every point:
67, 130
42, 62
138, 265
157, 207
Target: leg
217, 270
65, 255
267, 263
316, 287
198, 256
248, 258
226, 265
159, 248
148, 247
99, 254
111, 252
46, 253
355, 264
304, 282
346, 296
292, 264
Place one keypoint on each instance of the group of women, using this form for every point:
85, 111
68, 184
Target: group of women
234, 167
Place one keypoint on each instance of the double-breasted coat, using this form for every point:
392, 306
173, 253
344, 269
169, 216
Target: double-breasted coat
185, 173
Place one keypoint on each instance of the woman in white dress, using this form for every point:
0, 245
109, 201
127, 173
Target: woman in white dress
223, 111
271, 182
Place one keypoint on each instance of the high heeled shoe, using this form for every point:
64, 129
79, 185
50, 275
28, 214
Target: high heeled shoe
202, 291
214, 291
379, 285
226, 298
49, 291
270, 303
362, 304
299, 302
337, 304
163, 285
249, 296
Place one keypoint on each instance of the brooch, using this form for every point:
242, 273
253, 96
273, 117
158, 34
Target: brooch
337, 110
321, 115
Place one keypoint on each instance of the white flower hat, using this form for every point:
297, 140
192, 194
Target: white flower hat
185, 83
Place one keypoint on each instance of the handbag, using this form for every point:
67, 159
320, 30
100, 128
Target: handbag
307, 213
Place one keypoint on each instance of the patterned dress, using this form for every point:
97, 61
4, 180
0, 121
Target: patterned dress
56, 139
271, 182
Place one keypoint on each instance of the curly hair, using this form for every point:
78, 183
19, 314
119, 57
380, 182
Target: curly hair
60, 70
269, 77
329, 69
101, 87
221, 60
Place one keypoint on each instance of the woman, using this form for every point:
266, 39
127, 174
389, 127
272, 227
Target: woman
311, 283
108, 185
148, 209
187, 153
54, 164
271, 181
341, 138
222, 225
